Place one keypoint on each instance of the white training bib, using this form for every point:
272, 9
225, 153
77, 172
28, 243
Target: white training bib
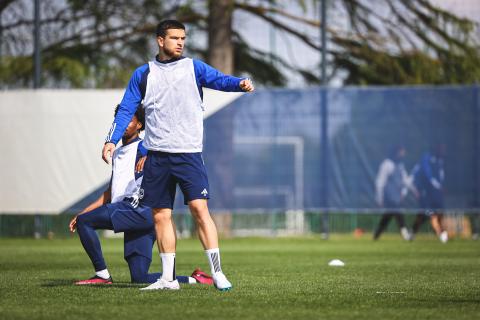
173, 108
123, 177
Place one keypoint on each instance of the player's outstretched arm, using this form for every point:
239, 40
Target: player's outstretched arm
209, 77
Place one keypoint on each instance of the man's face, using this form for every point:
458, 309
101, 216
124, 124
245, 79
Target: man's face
173, 43
132, 128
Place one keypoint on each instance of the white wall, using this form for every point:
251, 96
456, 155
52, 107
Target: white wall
51, 145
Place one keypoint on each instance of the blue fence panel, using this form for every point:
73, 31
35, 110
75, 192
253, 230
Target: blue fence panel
263, 152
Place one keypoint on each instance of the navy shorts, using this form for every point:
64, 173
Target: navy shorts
163, 171
137, 225
391, 204
432, 201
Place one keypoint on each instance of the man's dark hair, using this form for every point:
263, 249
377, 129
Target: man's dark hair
140, 114
163, 26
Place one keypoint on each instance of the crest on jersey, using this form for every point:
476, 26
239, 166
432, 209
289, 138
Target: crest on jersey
141, 193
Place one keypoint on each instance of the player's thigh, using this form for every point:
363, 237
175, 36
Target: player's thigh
158, 184
125, 217
433, 203
437, 201
99, 218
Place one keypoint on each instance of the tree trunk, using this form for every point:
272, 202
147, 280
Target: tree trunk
219, 129
220, 46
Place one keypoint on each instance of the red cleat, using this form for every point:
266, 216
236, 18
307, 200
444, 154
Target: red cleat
202, 277
95, 280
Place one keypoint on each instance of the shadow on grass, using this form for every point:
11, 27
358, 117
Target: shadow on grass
459, 300
71, 283
444, 301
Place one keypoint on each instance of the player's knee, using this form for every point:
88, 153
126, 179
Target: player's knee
162, 218
138, 266
81, 221
198, 205
199, 208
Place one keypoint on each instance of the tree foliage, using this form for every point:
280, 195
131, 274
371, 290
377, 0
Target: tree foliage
84, 43
98, 43
406, 42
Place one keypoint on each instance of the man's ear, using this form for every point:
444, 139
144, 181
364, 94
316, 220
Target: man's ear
139, 126
160, 41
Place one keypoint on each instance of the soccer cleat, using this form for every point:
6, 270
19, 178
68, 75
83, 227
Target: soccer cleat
405, 234
202, 277
220, 282
443, 237
95, 280
162, 284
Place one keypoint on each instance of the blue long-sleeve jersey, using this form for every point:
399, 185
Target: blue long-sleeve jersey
428, 169
205, 76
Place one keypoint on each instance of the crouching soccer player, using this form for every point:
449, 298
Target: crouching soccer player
118, 209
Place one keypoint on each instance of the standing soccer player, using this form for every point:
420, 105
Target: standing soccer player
171, 89
429, 179
392, 185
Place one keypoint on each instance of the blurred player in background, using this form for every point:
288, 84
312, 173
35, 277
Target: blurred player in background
171, 89
429, 177
392, 185
475, 224
118, 209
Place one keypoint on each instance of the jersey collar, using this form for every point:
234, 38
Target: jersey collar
168, 61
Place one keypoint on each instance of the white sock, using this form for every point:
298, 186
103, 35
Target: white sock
104, 274
168, 266
213, 256
192, 280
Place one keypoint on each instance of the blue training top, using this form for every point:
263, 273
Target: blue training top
205, 76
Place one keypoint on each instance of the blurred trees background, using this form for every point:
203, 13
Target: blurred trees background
97, 44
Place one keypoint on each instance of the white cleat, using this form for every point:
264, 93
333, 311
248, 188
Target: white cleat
405, 234
162, 284
220, 282
443, 237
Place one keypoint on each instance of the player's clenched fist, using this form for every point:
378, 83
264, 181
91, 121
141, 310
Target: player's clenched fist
247, 85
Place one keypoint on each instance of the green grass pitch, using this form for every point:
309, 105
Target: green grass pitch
283, 278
